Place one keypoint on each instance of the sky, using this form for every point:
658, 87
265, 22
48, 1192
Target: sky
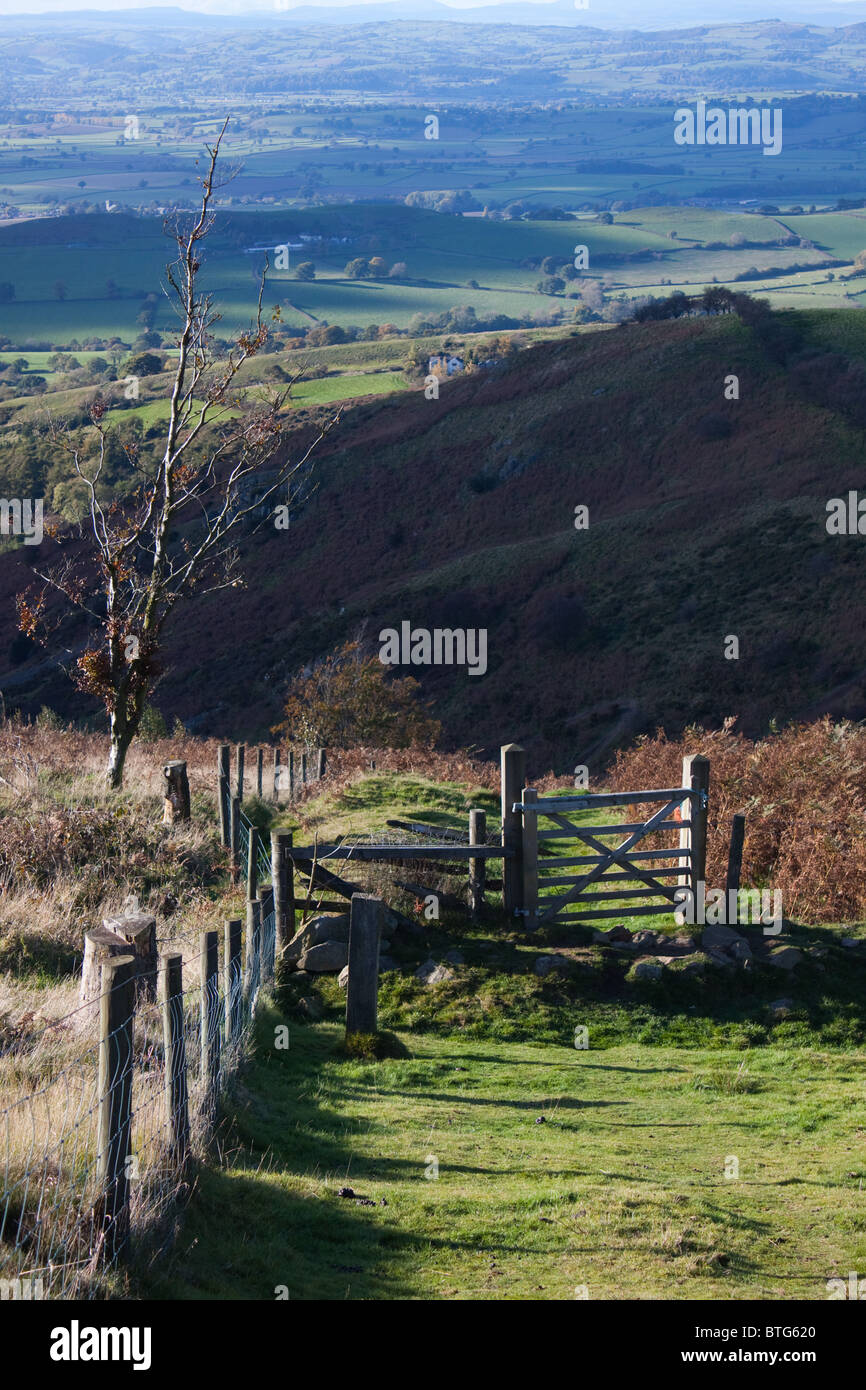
779, 9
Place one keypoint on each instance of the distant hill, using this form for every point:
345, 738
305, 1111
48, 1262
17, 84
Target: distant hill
707, 520
613, 14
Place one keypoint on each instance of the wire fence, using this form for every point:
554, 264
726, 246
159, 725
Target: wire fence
104, 1112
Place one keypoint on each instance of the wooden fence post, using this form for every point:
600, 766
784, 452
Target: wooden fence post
224, 793
304, 768
241, 755
696, 774
291, 774
320, 765
233, 982
277, 771
210, 1004
235, 839
477, 867
253, 949
362, 988
174, 1044
735, 865
268, 937
253, 863
512, 778
280, 839
176, 805
260, 768
116, 1009
530, 859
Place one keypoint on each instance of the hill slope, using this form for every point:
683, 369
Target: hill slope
706, 521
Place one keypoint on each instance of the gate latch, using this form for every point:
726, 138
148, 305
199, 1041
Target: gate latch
705, 799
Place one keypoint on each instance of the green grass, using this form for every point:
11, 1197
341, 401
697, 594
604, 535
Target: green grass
621, 1189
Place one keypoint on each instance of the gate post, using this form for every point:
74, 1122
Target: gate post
512, 778
696, 774
530, 858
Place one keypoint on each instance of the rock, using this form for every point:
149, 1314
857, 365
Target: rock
326, 956
386, 963
311, 1007
646, 969
786, 958
648, 939
719, 958
740, 950
852, 942
780, 1008
666, 960
432, 974
343, 978
719, 938
696, 966
684, 941
545, 964
454, 957
316, 931
618, 933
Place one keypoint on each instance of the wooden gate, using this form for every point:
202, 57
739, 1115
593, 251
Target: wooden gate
683, 810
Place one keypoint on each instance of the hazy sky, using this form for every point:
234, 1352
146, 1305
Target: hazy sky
774, 8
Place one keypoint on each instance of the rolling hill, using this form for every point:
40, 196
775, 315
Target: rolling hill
707, 520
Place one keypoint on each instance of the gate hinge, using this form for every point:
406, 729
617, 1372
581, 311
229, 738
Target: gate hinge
705, 800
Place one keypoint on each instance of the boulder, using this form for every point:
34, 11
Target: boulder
317, 930
852, 942
646, 969
780, 1008
327, 956
740, 950
684, 941
786, 958
696, 966
455, 958
432, 974
648, 939
545, 964
719, 938
343, 978
719, 957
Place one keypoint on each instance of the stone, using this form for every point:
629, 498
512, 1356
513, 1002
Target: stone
786, 958
852, 942
646, 969
684, 941
325, 957
454, 957
545, 964
343, 978
432, 974
648, 939
387, 963
719, 938
780, 1008
311, 1007
740, 950
696, 966
316, 931
719, 958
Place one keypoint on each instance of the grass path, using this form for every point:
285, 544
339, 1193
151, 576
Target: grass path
621, 1188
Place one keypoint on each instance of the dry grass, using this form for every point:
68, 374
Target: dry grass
803, 793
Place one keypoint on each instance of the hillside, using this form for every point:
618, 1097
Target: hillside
707, 519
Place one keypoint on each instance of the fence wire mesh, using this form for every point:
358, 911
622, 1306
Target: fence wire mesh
98, 1124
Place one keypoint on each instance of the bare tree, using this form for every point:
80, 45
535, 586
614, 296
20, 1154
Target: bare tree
174, 537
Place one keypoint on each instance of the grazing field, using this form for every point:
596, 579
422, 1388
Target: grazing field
499, 1170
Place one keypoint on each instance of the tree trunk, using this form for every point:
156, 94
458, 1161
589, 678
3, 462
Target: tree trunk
121, 738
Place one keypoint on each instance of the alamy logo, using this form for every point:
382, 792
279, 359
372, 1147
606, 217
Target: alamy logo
21, 516
21, 1290
444, 646
716, 908
76, 1343
739, 125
